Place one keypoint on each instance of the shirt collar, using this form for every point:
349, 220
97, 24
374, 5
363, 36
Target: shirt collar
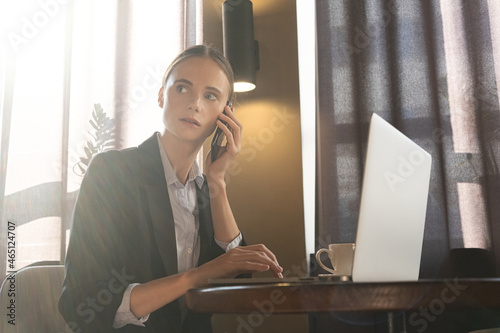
194, 173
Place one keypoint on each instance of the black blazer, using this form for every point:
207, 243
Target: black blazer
123, 232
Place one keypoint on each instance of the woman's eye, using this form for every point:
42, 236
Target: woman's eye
211, 97
181, 89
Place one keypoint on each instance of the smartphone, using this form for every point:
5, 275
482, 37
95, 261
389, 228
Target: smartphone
218, 138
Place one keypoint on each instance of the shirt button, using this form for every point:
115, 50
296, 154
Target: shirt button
190, 250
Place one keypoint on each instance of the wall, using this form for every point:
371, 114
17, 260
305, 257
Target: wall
265, 183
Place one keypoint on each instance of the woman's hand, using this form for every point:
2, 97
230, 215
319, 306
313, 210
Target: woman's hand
232, 132
243, 259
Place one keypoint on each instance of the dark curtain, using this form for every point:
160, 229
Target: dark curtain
430, 68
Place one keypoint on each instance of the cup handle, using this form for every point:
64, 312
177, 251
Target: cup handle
318, 260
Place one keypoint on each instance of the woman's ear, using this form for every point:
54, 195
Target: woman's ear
160, 97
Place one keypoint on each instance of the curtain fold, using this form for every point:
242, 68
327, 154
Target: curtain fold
431, 69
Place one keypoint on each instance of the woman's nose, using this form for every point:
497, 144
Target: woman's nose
194, 103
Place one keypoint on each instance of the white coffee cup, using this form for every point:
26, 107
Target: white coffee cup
341, 257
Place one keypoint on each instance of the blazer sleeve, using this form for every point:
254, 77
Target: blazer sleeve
96, 270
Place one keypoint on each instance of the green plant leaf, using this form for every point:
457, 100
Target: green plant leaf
94, 125
102, 137
81, 168
88, 152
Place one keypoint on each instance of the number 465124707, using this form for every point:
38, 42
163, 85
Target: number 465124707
11, 244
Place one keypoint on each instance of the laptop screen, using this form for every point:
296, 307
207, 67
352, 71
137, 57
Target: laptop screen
393, 205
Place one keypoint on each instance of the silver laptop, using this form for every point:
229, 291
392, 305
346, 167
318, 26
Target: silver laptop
392, 212
393, 206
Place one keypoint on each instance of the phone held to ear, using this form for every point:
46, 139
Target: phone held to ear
217, 140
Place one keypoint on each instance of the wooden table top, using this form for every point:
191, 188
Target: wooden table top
327, 296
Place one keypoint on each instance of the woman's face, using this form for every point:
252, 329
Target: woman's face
192, 98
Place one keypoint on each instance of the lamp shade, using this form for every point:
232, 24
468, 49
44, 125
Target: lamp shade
239, 43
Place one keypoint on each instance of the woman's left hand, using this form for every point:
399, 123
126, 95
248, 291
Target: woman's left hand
232, 132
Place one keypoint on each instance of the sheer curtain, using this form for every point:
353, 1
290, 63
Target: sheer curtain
432, 69
74, 76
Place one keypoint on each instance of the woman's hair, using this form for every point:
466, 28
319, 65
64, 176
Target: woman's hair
204, 51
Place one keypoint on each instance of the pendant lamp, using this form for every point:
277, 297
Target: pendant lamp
240, 48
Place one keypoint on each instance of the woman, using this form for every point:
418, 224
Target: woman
146, 228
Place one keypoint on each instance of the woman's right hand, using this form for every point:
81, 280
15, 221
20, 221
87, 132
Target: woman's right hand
232, 130
150, 296
242, 259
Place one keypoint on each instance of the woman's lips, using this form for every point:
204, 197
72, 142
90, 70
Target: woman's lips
191, 121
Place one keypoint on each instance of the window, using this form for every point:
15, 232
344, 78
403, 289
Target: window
59, 59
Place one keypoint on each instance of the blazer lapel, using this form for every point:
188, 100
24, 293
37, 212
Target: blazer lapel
159, 203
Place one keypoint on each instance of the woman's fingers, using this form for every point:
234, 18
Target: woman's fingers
231, 114
254, 256
243, 259
232, 130
260, 248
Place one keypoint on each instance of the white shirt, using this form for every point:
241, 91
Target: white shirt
184, 204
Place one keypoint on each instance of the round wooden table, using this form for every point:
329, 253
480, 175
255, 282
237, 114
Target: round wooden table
326, 296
